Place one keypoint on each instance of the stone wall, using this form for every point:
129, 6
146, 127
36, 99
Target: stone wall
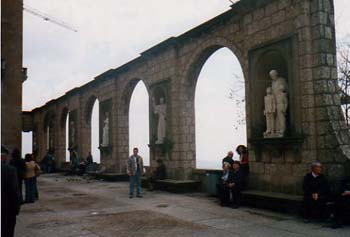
316, 128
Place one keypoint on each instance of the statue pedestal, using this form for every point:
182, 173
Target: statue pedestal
105, 150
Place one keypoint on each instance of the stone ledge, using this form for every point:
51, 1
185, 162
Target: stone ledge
273, 201
174, 186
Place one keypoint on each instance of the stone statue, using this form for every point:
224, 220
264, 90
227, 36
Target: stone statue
279, 90
161, 111
105, 132
269, 112
281, 111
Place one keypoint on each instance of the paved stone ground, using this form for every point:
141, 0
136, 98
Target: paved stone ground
71, 207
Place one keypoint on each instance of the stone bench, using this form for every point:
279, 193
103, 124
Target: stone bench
174, 186
273, 201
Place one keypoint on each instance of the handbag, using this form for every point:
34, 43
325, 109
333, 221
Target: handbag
37, 170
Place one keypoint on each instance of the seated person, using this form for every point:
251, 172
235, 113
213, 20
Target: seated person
158, 174
228, 159
237, 184
342, 204
223, 185
316, 192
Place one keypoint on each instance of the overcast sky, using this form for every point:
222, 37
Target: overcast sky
112, 32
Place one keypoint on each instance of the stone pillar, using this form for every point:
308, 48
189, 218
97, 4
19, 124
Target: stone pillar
333, 137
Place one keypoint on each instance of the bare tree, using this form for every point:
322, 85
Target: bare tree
237, 95
344, 78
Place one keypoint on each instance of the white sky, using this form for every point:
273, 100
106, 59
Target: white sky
112, 32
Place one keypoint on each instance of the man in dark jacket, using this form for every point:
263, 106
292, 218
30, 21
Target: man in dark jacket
228, 159
10, 198
342, 203
231, 182
316, 192
20, 166
237, 184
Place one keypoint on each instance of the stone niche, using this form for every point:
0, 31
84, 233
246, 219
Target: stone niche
72, 130
275, 56
105, 124
160, 151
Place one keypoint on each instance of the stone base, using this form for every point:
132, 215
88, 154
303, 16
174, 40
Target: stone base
285, 203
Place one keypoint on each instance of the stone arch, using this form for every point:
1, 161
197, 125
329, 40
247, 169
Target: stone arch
48, 119
128, 91
200, 56
50, 125
88, 109
63, 118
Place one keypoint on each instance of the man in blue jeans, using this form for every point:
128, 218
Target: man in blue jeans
134, 168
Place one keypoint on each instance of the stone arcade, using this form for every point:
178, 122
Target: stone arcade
294, 37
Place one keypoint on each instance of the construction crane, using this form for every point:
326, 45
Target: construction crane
46, 17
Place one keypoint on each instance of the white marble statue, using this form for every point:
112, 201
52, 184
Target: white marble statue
161, 111
105, 131
279, 89
269, 112
281, 111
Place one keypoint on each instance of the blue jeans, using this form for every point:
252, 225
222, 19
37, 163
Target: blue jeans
30, 189
135, 180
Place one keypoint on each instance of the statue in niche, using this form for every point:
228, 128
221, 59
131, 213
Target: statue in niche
72, 132
105, 131
269, 112
279, 90
161, 111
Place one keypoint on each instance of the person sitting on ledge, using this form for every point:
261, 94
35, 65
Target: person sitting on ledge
158, 174
316, 193
223, 186
228, 159
342, 204
237, 184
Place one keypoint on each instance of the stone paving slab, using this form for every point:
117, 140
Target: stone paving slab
72, 207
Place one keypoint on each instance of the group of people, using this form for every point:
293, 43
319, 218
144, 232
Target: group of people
320, 202
80, 166
15, 170
234, 178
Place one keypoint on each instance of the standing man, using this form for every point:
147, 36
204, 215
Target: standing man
10, 197
134, 168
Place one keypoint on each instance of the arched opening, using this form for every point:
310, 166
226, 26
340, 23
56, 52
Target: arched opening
27, 143
220, 118
139, 121
65, 130
67, 155
95, 131
49, 123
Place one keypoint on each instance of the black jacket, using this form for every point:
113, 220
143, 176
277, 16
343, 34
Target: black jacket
160, 172
10, 196
315, 185
228, 160
237, 178
20, 166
